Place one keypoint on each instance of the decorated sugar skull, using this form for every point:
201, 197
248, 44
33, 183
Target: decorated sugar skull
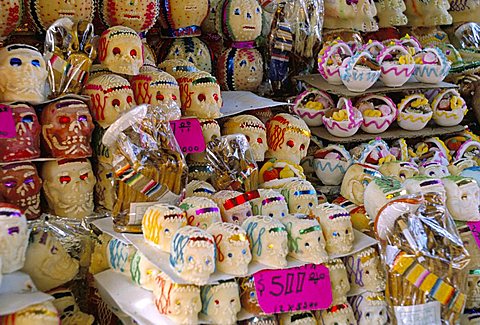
20, 185
300, 195
13, 238
193, 254
433, 169
210, 131
234, 206
221, 302
344, 120
240, 69
391, 13
241, 21
358, 15
68, 308
331, 163
414, 112
119, 256
312, 104
370, 308
378, 112
143, 272
456, 167
182, 18
180, 303
356, 179
296, 318
68, 187
253, 129
359, 72
47, 262
305, 239
139, 15
448, 108
11, 14
269, 203
176, 67
331, 58
199, 188
110, 96
338, 279
338, 314
399, 170
268, 240
45, 12
26, 144
337, 227
44, 313
67, 129
200, 95
431, 66
248, 296
23, 74
361, 221
120, 50
160, 223
379, 192
424, 184
191, 49
201, 212
288, 137
428, 13
364, 271
463, 198
473, 290
397, 65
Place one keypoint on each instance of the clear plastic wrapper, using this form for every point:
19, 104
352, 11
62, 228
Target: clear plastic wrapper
234, 167
147, 163
425, 259
69, 52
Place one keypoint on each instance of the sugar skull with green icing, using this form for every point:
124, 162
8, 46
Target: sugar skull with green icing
300, 195
312, 104
424, 184
449, 108
379, 192
201, 212
240, 21
414, 112
331, 164
191, 49
269, 203
143, 272
221, 302
463, 198
240, 69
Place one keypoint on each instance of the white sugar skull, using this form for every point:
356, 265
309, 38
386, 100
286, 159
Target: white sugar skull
68, 308
234, 206
338, 280
201, 212
337, 227
268, 240
200, 188
288, 138
240, 69
355, 181
210, 131
300, 195
399, 170
370, 308
364, 271
193, 254
180, 303
241, 20
356, 15
13, 238
182, 18
44, 314
233, 248
456, 167
47, 262
121, 50
338, 314
433, 169
191, 49
269, 203
110, 96
68, 186
391, 13
463, 198
473, 290
45, 12
253, 129
119, 256
143, 272
424, 184
379, 192
298, 318
428, 12
160, 222
221, 302
139, 15
305, 239
23, 74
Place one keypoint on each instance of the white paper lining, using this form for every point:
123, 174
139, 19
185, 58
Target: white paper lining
235, 102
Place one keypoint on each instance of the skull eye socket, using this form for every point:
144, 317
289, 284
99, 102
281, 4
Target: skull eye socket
243, 63
10, 184
174, 97
116, 102
160, 96
27, 119
133, 53
237, 11
302, 147
215, 97
65, 179
129, 99
64, 119
28, 180
82, 118
201, 97
84, 177
290, 143
217, 302
13, 230
36, 63
15, 62
116, 51
248, 138
260, 140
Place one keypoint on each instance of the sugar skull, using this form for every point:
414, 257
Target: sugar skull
176, 67
240, 20
356, 15
364, 271
379, 192
110, 96
139, 15
47, 262
68, 186
210, 131
233, 250
288, 138
297, 318
200, 189
13, 238
99, 261
337, 227
424, 184
11, 14
339, 280
193, 254
360, 220
105, 194
428, 12
305, 239
180, 303
26, 144
44, 313
182, 18
370, 308
240, 69
160, 222
391, 13
46, 12
355, 181
399, 170
248, 296
23, 74
200, 95
253, 129
68, 308
119, 256
67, 129
338, 314
473, 291
191, 49
201, 212
433, 169
143, 272
269, 203
20, 185
463, 198
268, 240
300, 195
221, 302
121, 50
234, 206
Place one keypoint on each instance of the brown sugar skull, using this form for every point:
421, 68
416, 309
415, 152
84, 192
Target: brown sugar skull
67, 129
241, 20
46, 12
20, 185
139, 15
240, 69
26, 144
182, 18
11, 13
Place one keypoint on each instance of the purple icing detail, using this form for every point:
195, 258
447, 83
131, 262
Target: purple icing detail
206, 210
11, 214
331, 123
13, 230
431, 182
354, 268
310, 115
379, 126
272, 199
407, 71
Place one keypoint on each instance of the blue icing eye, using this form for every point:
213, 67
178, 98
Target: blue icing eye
36, 63
15, 62
230, 255
207, 261
237, 11
258, 10
244, 251
335, 234
310, 204
190, 259
252, 294
243, 63
283, 214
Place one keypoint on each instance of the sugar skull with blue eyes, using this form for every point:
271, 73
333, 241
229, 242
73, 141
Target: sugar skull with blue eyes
193, 254
234, 206
270, 203
221, 302
240, 69
233, 248
160, 222
13, 238
201, 211
192, 49
241, 20
300, 195
23, 74
370, 308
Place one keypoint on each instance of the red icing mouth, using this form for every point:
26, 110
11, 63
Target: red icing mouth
248, 27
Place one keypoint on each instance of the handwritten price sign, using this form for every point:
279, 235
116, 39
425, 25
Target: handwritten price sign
475, 229
296, 289
188, 133
7, 123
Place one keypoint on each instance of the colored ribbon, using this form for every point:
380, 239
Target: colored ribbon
241, 199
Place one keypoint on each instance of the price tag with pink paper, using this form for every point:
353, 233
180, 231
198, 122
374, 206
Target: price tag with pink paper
475, 230
188, 133
7, 122
301, 288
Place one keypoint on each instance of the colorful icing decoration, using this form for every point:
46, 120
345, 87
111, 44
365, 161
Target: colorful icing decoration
182, 18
248, 297
159, 224
44, 313
370, 308
331, 164
374, 153
397, 65
44, 12
311, 105
331, 58
176, 67
340, 314
356, 178
299, 317
431, 66
11, 14
427, 13
433, 169
275, 173
240, 22
240, 69
235, 206
300, 195
414, 112
13, 238
269, 203
120, 256
138, 15
411, 43
360, 220
359, 72
191, 49
200, 189
221, 302
201, 212
391, 13
378, 112
344, 120
379, 192
463, 198
399, 170
143, 272
449, 108
253, 129
338, 280
422, 184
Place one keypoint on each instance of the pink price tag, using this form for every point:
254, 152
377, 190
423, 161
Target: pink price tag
301, 288
188, 133
475, 230
7, 122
